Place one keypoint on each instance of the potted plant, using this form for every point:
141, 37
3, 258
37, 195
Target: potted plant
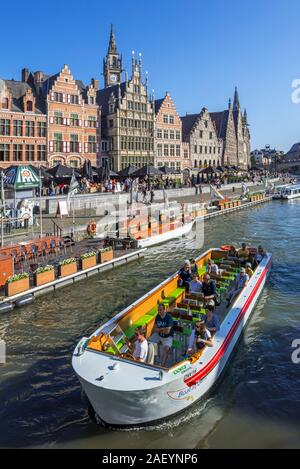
88, 260
106, 254
44, 274
67, 267
17, 284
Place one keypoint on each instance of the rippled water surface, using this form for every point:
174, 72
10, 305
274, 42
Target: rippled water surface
257, 403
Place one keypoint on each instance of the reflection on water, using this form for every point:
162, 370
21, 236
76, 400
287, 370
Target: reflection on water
257, 402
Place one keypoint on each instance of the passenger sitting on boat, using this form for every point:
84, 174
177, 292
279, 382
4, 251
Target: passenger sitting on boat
238, 285
232, 252
208, 288
140, 345
248, 268
195, 285
252, 261
211, 321
260, 254
243, 253
194, 267
185, 275
212, 268
162, 332
199, 337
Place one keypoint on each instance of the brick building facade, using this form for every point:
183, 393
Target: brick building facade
168, 134
23, 123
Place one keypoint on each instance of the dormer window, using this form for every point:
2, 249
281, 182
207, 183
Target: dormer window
4, 103
29, 106
92, 100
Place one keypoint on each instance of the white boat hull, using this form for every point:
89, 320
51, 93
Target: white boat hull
166, 236
178, 388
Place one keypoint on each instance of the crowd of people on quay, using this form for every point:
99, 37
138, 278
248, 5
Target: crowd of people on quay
119, 182
203, 287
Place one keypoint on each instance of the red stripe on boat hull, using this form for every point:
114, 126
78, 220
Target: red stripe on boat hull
216, 358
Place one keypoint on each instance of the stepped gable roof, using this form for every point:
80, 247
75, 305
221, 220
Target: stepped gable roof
188, 123
104, 94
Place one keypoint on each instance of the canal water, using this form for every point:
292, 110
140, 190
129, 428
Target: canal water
256, 404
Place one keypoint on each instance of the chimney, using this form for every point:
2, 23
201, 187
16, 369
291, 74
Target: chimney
95, 83
38, 77
25, 74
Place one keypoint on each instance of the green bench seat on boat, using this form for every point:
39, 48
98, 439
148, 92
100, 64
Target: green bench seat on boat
143, 321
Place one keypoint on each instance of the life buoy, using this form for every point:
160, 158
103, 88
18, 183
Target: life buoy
91, 228
226, 247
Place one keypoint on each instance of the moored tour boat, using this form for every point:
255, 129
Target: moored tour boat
124, 392
291, 192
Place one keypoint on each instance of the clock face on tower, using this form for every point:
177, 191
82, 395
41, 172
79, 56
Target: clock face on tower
113, 77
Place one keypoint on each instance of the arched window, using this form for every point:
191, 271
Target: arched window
214, 162
200, 163
4, 103
195, 164
29, 106
205, 162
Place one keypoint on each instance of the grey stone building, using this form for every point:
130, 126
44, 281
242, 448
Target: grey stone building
205, 146
127, 114
232, 128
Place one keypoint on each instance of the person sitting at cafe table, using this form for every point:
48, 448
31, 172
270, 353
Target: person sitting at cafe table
195, 285
208, 288
163, 332
240, 282
199, 337
185, 275
211, 320
243, 253
139, 345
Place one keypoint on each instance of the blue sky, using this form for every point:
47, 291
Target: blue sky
195, 49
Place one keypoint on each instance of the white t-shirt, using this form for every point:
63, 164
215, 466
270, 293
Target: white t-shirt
140, 350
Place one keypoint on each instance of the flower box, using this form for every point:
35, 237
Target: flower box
67, 269
88, 262
44, 277
106, 256
17, 286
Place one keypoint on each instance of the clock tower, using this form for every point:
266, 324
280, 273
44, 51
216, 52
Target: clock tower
112, 64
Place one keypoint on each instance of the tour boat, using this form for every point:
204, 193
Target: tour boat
166, 235
291, 192
279, 190
125, 392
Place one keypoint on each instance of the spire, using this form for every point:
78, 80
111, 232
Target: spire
245, 118
229, 103
236, 102
112, 47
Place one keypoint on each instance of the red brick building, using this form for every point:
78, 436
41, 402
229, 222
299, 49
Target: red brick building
23, 125
73, 120
168, 134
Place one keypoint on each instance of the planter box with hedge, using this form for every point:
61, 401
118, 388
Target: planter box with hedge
88, 260
106, 255
17, 284
44, 275
67, 267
